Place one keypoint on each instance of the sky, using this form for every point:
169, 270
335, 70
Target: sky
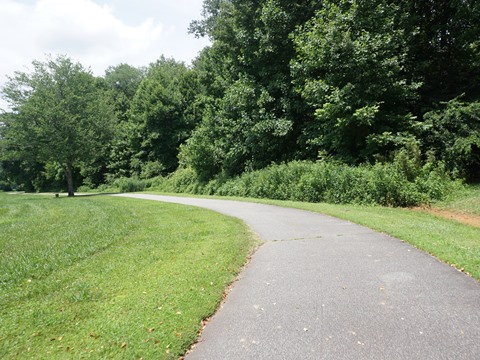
96, 33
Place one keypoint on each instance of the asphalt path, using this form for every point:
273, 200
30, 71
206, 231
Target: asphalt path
324, 288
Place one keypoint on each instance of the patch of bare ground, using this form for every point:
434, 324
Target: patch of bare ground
467, 219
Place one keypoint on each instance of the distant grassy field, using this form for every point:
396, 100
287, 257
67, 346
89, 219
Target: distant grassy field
103, 277
466, 201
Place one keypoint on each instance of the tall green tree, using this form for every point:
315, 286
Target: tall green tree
253, 113
162, 116
350, 69
347, 78
444, 50
59, 115
121, 82
453, 135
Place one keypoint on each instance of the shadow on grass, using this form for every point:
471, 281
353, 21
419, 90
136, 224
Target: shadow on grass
61, 195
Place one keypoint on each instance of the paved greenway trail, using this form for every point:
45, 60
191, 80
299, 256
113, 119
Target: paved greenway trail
324, 288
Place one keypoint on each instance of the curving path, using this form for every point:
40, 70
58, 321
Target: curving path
324, 288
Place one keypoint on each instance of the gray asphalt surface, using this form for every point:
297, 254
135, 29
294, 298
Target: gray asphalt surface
324, 288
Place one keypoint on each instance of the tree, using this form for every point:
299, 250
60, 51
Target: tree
162, 116
238, 134
123, 81
444, 50
350, 69
59, 115
453, 135
253, 113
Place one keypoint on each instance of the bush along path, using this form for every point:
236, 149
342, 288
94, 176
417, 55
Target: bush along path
321, 288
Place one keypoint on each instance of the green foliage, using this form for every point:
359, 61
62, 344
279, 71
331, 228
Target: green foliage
151, 169
349, 68
126, 185
328, 182
444, 53
354, 81
404, 182
408, 160
252, 106
237, 135
124, 79
122, 82
121, 153
160, 115
59, 115
24, 175
183, 180
348, 79
200, 151
453, 135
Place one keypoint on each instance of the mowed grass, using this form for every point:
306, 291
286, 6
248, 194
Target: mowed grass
465, 201
103, 277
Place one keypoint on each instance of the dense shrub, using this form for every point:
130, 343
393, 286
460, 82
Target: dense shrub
132, 184
5, 186
404, 182
183, 180
383, 184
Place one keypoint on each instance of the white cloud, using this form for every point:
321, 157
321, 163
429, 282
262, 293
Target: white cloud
96, 33
89, 32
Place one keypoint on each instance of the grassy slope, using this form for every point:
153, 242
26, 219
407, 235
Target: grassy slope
102, 277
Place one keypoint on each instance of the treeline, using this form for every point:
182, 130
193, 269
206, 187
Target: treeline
347, 82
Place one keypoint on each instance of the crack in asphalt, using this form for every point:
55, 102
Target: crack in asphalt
297, 239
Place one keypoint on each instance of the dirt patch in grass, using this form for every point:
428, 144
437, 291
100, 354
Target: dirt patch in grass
467, 219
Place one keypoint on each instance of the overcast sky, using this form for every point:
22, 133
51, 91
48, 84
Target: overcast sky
96, 33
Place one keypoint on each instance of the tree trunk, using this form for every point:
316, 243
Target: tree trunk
69, 175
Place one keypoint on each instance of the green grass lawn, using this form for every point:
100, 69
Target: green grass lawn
465, 201
103, 277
